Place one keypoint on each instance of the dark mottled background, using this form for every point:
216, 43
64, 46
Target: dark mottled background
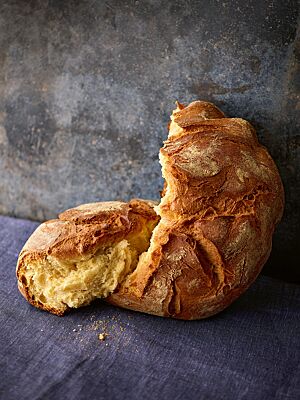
86, 89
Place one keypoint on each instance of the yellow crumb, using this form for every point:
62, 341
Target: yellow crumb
102, 336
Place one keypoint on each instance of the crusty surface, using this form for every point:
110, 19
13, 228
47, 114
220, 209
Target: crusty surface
222, 199
81, 232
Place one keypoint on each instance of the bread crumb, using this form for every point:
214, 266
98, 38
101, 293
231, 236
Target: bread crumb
102, 336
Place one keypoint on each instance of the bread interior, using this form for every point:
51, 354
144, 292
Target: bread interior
57, 284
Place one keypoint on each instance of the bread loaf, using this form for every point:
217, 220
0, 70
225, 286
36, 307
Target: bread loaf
189, 257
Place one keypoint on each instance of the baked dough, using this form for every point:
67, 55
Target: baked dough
85, 254
188, 257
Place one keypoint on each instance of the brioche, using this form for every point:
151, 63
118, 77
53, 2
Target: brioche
188, 257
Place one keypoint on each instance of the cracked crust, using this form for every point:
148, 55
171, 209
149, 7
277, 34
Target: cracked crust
221, 201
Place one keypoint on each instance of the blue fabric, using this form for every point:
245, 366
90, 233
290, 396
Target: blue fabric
250, 351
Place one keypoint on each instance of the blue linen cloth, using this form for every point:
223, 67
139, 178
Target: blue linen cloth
250, 351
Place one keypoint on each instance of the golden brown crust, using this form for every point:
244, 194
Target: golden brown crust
80, 231
221, 203
196, 112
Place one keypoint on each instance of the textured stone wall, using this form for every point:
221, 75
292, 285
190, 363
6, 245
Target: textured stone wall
86, 89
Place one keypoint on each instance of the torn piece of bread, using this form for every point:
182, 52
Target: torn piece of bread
189, 257
84, 254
